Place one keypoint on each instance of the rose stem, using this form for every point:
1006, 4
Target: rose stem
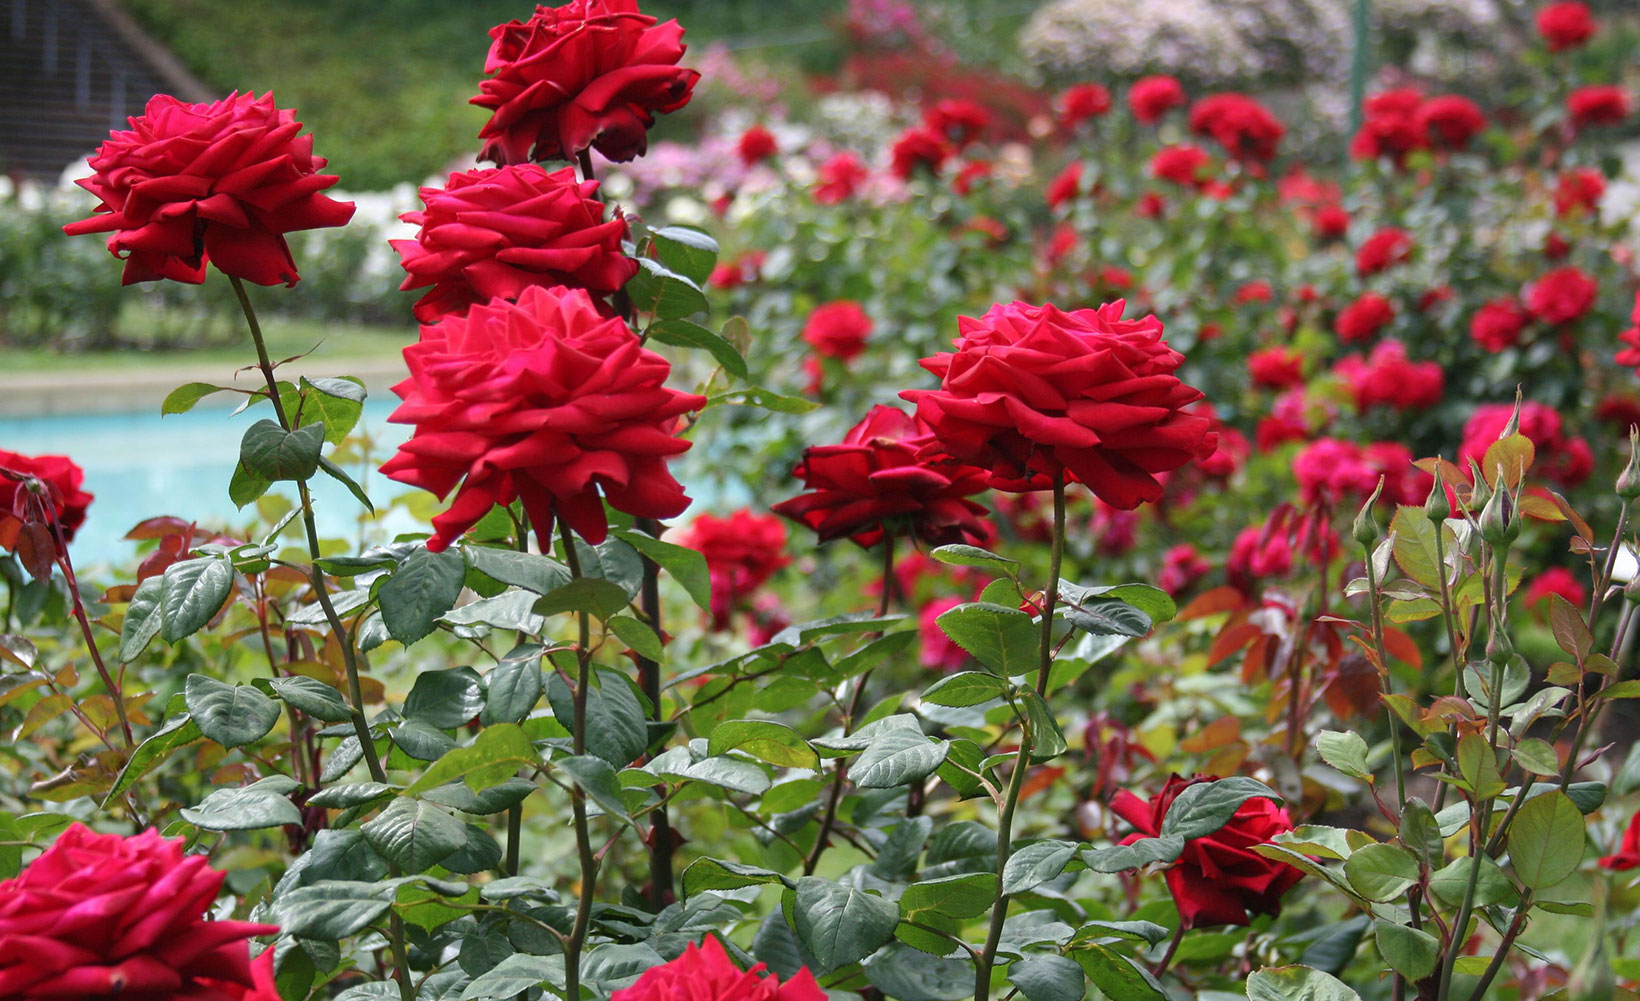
578, 804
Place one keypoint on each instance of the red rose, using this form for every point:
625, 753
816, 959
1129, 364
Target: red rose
939, 652
1631, 337
590, 74
1182, 567
1081, 103
742, 552
1387, 376
1555, 247
1560, 296
1331, 222
1404, 483
1450, 121
1255, 553
838, 330
1627, 855
1363, 318
1556, 580
1151, 205
1383, 249
1033, 393
545, 401
1219, 879
840, 179
970, 175
876, 480
1390, 126
1567, 461
708, 974
1602, 104
495, 232
1565, 25
1231, 452
1579, 189
1289, 420
100, 916
756, 144
1498, 324
1276, 368
1244, 127
959, 121
919, 147
1152, 97
1183, 165
197, 184
1254, 291
44, 479
1061, 244
1065, 186
1333, 470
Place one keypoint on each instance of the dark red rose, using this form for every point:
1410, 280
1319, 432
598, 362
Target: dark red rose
546, 401
1498, 324
1276, 368
708, 974
1081, 103
590, 74
1033, 393
1601, 104
47, 490
840, 179
1363, 318
1184, 165
1579, 189
100, 917
1182, 566
1152, 97
1450, 121
1388, 377
958, 120
1560, 296
756, 144
1567, 461
495, 232
1627, 855
919, 147
742, 552
1618, 409
1219, 879
197, 184
838, 330
1382, 250
876, 481
1390, 126
1244, 127
1066, 185
1565, 25
1331, 222
1151, 205
1555, 247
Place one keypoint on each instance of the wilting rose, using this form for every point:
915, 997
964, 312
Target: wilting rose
876, 481
1382, 250
919, 147
1152, 97
590, 74
1498, 324
1450, 121
959, 121
1033, 393
742, 552
1579, 189
492, 233
1600, 104
1219, 879
840, 179
101, 916
756, 144
1565, 460
1276, 368
1363, 318
1184, 165
1081, 103
1560, 296
838, 330
1627, 855
220, 183
707, 973
1244, 127
545, 401
1387, 376
1565, 25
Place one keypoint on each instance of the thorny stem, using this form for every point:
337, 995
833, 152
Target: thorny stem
578, 803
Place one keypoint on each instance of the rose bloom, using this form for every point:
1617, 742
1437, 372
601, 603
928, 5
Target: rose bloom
1629, 356
545, 401
492, 233
919, 147
838, 330
1080, 103
590, 74
1219, 879
742, 552
1498, 324
1390, 126
1244, 127
58, 484
1151, 205
1333, 470
1627, 855
1387, 376
1330, 222
1579, 189
958, 120
1257, 553
1382, 250
939, 652
1560, 296
1567, 461
756, 144
707, 973
1450, 121
1152, 97
220, 183
1602, 104
840, 179
1404, 483
1556, 580
1555, 247
1276, 368
101, 916
1289, 420
1183, 165
1035, 394
1182, 566
1066, 185
1565, 25
1363, 318
875, 482
970, 175
1061, 244
1617, 409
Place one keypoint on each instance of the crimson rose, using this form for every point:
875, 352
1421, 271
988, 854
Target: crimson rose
1034, 394
742, 552
545, 401
493, 233
1627, 855
1565, 25
707, 973
1598, 104
1081, 102
838, 330
1364, 317
1450, 121
1497, 324
1244, 127
196, 184
590, 74
877, 478
1219, 879
100, 916
1561, 296
1152, 97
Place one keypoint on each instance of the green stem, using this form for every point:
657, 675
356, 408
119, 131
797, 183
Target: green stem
1517, 924
576, 942
1052, 593
1383, 660
1005, 827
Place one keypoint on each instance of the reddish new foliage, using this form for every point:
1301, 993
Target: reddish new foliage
545, 401
707, 973
591, 74
838, 330
1033, 393
196, 184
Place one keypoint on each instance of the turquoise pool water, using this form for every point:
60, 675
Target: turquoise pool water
140, 465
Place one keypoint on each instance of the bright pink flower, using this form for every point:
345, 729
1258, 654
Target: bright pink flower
1243, 126
1404, 483
838, 330
1080, 103
1556, 580
1335, 471
840, 179
1498, 324
1382, 250
1152, 97
1182, 566
1566, 25
1258, 552
1363, 318
1560, 296
707, 973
